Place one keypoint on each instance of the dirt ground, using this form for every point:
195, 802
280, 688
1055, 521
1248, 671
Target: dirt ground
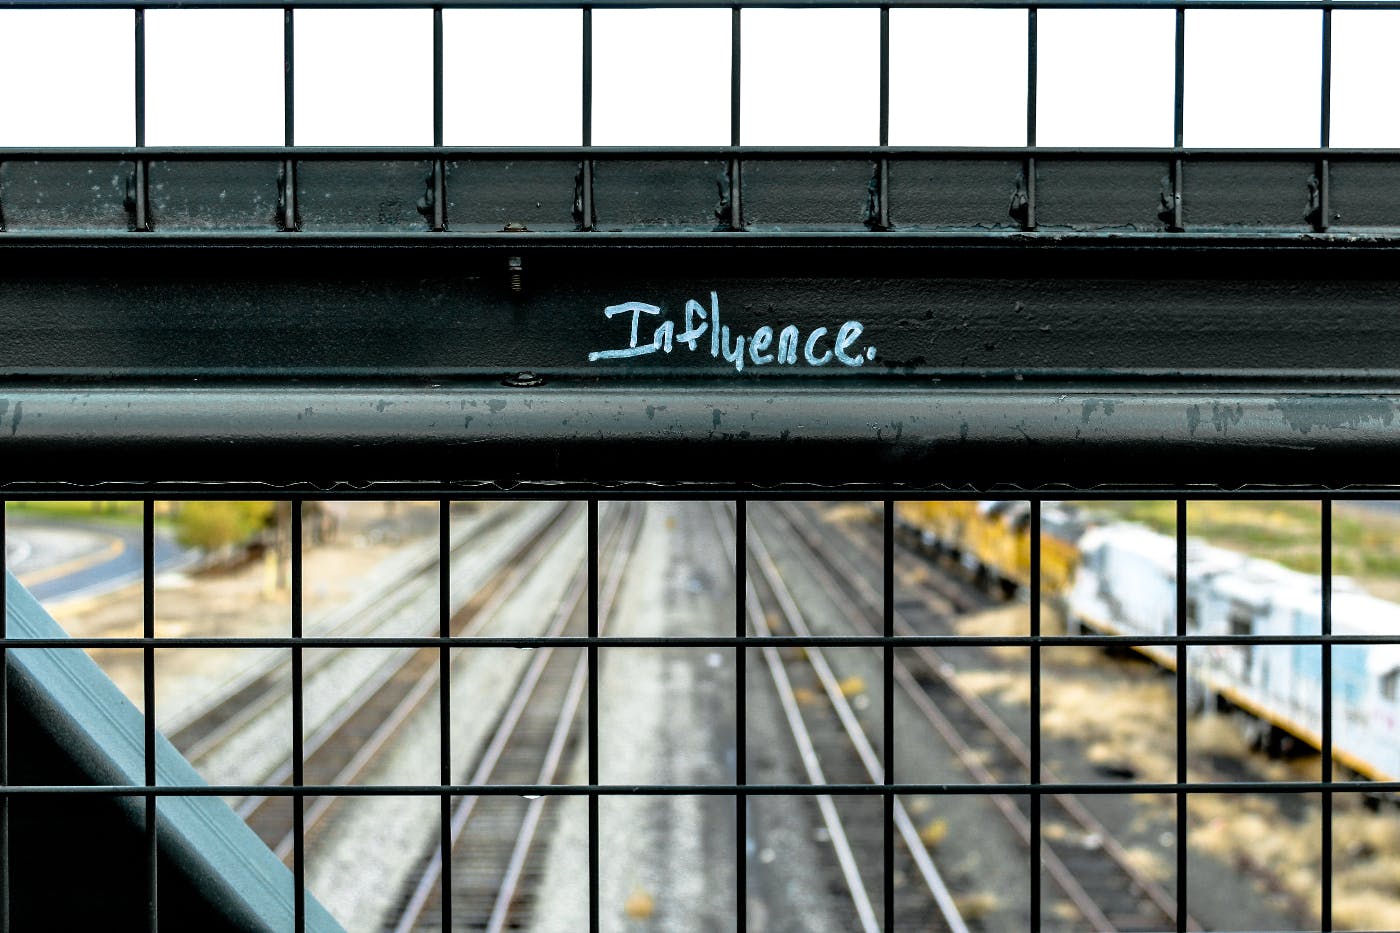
1122, 710
244, 601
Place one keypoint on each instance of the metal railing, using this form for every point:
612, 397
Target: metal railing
747, 635
872, 215
1303, 205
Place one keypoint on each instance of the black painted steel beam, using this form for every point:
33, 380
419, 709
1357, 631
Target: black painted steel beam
1218, 339
907, 434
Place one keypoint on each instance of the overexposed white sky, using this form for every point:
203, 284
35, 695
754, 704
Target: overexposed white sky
661, 77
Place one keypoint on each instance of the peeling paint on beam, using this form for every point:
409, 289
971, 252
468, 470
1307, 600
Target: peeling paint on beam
694, 431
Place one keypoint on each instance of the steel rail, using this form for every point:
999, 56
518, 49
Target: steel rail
567, 611
510, 719
792, 614
994, 724
845, 857
505, 583
973, 762
505, 897
256, 689
806, 749
1251, 866
515, 867
1073, 807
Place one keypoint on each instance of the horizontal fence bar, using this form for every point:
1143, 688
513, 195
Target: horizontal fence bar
692, 790
249, 491
696, 641
606, 153
1235, 237
701, 4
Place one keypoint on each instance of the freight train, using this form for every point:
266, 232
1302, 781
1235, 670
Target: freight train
1119, 578
992, 540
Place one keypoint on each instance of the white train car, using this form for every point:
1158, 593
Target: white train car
1366, 686
1126, 585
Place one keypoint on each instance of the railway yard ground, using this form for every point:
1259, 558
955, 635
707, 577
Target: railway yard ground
698, 715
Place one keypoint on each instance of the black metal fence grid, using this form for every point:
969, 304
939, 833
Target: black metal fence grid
1034, 788
884, 223
882, 214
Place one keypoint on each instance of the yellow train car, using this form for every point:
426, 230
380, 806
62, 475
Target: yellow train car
992, 539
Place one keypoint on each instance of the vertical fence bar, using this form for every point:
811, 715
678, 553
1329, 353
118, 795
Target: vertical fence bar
1178, 212
298, 752
140, 221
1326, 906
148, 684
1032, 83
289, 165
439, 218
1324, 168
4, 739
1182, 909
736, 168
586, 169
593, 881
882, 220
445, 701
741, 742
887, 691
1035, 712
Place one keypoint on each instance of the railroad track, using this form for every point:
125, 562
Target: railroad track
952, 590
834, 748
493, 878
345, 746
1104, 887
262, 686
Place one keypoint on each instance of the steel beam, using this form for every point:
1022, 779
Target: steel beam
902, 434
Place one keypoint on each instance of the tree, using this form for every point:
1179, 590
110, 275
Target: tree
215, 525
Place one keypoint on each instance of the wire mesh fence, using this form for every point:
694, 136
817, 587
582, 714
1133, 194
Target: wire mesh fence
768, 204
1188, 652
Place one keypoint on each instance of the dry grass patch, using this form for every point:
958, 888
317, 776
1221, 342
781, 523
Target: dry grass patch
1363, 908
1122, 722
933, 832
1006, 686
1366, 867
1245, 827
1012, 619
1149, 864
850, 512
916, 576
977, 905
1211, 734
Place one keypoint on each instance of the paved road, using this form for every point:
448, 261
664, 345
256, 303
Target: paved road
61, 560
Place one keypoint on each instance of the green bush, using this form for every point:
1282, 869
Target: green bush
215, 525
